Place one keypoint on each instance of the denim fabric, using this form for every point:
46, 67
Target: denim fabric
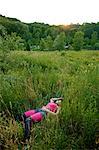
42, 112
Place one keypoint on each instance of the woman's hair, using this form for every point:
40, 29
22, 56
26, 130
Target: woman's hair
57, 101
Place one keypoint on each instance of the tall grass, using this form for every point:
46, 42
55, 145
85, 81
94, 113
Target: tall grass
31, 79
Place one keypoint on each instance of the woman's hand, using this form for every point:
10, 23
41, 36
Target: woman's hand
43, 108
54, 113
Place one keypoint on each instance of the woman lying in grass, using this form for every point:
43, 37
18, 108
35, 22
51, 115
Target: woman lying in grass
37, 115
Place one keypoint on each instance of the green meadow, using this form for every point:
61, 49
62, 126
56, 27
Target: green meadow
29, 79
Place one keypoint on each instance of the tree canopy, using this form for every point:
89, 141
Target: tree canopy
51, 37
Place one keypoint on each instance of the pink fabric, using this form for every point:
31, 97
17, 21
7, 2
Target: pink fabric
37, 117
29, 113
52, 106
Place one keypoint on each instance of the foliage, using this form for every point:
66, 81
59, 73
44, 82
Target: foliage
93, 38
3, 31
11, 135
97, 46
49, 43
4, 55
42, 44
14, 42
33, 33
78, 40
46, 44
31, 79
59, 42
8, 43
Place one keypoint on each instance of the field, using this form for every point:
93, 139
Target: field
30, 79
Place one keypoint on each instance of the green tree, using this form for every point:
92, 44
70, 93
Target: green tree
78, 40
49, 43
97, 46
42, 44
94, 38
86, 43
59, 42
14, 42
3, 31
68, 39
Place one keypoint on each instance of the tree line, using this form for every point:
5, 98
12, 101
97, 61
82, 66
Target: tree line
16, 35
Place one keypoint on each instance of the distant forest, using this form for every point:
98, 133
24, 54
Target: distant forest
16, 35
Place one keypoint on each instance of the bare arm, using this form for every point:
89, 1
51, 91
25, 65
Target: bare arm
60, 98
53, 113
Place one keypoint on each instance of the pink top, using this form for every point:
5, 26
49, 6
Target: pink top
37, 116
51, 106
